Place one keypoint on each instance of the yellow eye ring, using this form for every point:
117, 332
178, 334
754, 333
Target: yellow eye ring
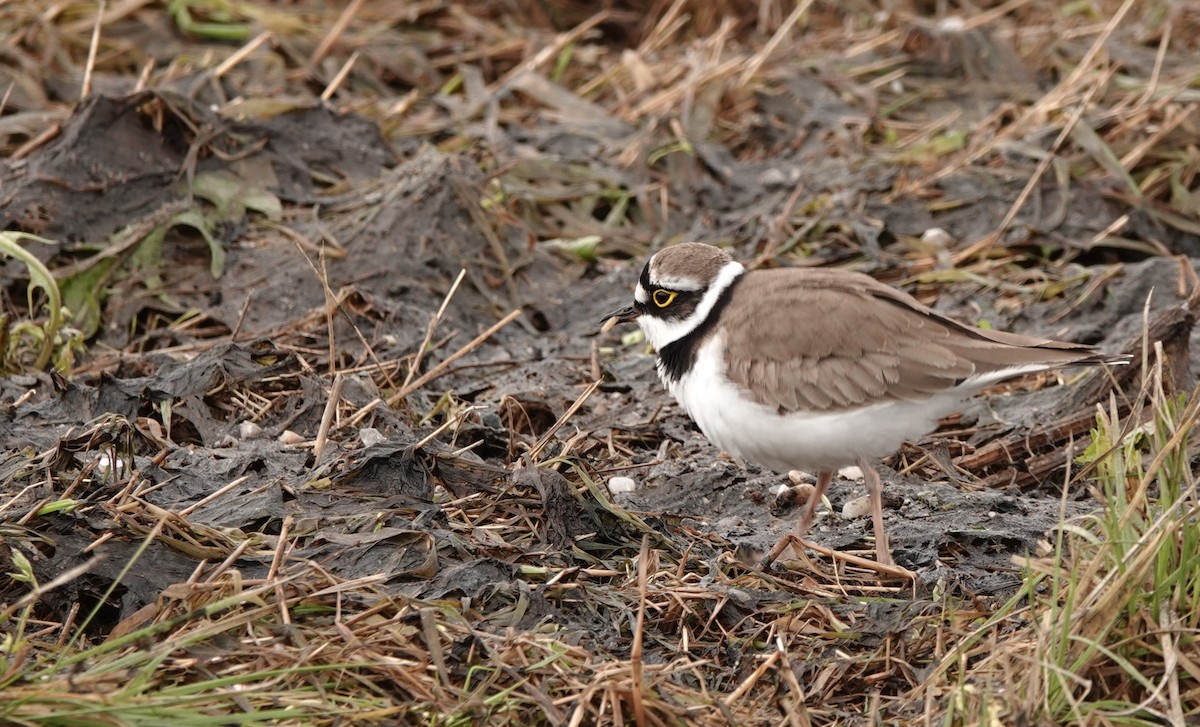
663, 298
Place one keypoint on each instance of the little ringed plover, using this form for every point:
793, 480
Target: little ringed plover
817, 369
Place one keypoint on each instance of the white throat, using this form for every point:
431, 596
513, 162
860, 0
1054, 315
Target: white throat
661, 332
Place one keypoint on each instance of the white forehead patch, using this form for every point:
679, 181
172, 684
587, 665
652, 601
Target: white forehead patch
676, 282
640, 294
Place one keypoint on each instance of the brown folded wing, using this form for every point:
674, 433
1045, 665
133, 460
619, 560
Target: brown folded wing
826, 340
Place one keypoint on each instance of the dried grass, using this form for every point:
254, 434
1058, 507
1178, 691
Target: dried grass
1104, 627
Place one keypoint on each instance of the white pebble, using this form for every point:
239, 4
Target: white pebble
856, 508
778, 490
370, 436
773, 177
110, 468
249, 430
618, 485
851, 473
937, 237
290, 437
952, 24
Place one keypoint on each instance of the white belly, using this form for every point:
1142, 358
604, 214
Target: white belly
799, 440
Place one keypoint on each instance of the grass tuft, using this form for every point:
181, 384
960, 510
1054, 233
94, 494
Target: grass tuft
1104, 629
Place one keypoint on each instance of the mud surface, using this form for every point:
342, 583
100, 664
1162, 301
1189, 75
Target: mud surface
400, 222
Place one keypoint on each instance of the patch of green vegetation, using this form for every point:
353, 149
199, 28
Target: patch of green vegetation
29, 345
135, 251
225, 19
1104, 629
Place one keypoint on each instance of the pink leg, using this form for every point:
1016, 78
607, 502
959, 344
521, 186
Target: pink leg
806, 517
883, 554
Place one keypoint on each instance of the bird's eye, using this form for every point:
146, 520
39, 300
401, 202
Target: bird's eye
663, 298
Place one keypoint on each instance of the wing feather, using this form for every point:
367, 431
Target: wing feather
826, 340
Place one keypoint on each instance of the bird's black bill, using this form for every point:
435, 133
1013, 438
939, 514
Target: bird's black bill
623, 315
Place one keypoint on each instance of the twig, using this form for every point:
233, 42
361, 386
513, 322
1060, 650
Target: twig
335, 397
751, 680
440, 369
331, 304
764, 55
541, 443
86, 89
335, 300
339, 77
798, 712
446, 425
543, 56
281, 549
635, 653
42, 589
335, 32
196, 506
893, 570
240, 54
433, 324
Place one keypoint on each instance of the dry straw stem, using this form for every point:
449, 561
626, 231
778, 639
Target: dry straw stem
327, 417
415, 365
85, 89
635, 653
336, 31
755, 64
562, 420
242, 53
445, 364
338, 78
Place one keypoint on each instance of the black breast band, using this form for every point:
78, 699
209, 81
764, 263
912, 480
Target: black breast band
677, 357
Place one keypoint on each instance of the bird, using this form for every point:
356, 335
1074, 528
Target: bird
817, 369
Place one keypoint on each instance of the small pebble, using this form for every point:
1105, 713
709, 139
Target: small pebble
249, 430
619, 485
789, 497
941, 241
797, 477
938, 237
773, 178
778, 490
856, 508
952, 24
290, 437
851, 473
110, 468
370, 436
